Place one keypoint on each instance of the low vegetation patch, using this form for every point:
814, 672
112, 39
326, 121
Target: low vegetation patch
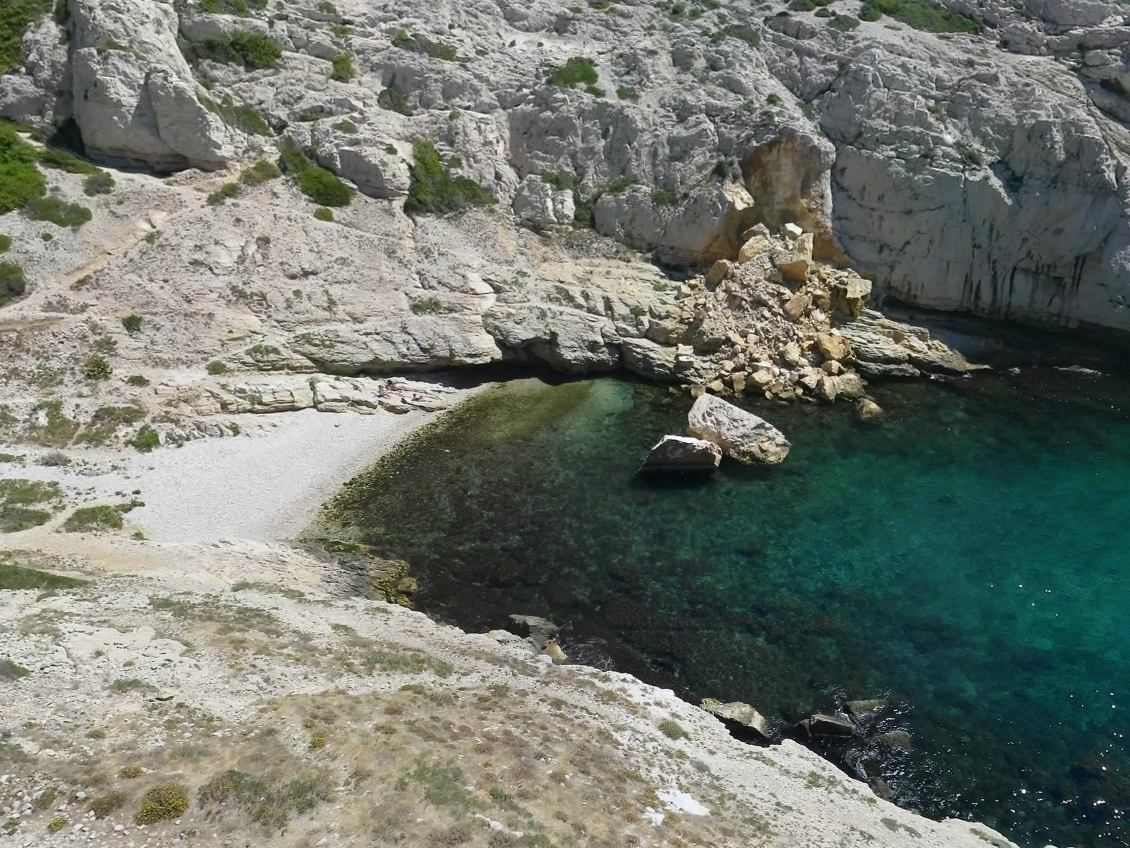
216, 367
576, 71
748, 33
238, 115
434, 190
106, 420
96, 368
100, 183
92, 518
16, 578
320, 185
225, 192
919, 15
425, 45
164, 801
672, 730
843, 23
146, 439
21, 508
267, 802
323, 213
394, 100
57, 211
231, 7
13, 283
253, 50
15, 17
443, 783
343, 70
261, 172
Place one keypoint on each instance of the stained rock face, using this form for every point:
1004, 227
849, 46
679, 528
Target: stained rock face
741, 435
682, 453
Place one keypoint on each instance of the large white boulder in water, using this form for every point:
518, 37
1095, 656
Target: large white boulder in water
682, 453
742, 435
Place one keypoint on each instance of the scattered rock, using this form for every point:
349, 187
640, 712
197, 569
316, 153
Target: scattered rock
719, 271
833, 346
682, 453
793, 263
739, 715
741, 434
797, 305
896, 739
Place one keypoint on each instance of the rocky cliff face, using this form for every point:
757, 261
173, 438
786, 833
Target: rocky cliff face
978, 171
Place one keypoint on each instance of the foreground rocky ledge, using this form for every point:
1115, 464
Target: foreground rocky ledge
279, 709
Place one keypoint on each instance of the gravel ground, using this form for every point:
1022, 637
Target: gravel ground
266, 484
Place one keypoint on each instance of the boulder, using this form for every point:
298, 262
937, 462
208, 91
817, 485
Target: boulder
849, 294
866, 707
797, 305
376, 172
719, 271
833, 346
869, 412
135, 101
822, 724
793, 263
738, 715
754, 247
827, 388
537, 630
706, 226
741, 434
895, 738
539, 204
682, 453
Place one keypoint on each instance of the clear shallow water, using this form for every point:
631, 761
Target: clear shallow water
970, 558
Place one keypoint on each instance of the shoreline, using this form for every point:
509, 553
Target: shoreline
265, 485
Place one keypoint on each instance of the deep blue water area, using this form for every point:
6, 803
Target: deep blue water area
968, 559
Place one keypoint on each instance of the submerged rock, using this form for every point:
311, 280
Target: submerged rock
738, 713
821, 724
869, 412
741, 434
682, 453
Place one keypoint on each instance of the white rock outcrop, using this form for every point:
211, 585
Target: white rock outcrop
741, 434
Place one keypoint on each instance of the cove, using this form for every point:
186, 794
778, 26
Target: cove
969, 559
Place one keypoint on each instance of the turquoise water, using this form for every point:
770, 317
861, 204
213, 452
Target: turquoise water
970, 559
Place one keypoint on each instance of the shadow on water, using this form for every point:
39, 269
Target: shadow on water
966, 560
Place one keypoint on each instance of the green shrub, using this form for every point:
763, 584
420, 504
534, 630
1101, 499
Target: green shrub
262, 171
216, 367
61, 160
560, 180
5, 243
327, 7
100, 183
57, 211
619, 186
224, 192
17, 578
267, 803
165, 801
11, 671
15, 17
321, 186
393, 100
323, 214
434, 190
251, 49
578, 70
843, 23
342, 67
802, 6
664, 197
146, 439
672, 730
240, 116
748, 33
104, 804
920, 15
423, 44
346, 127
132, 323
96, 368
624, 93
20, 180
12, 281
137, 380
56, 824
90, 518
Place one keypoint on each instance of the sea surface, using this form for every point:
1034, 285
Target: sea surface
969, 559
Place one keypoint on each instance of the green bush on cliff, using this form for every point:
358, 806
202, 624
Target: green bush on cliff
321, 186
12, 281
576, 71
434, 190
342, 67
919, 15
253, 50
15, 17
